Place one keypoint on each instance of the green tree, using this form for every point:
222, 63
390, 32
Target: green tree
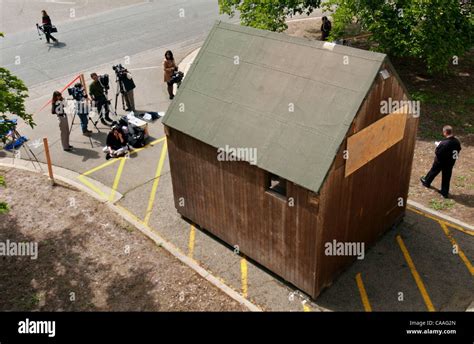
436, 31
267, 14
13, 93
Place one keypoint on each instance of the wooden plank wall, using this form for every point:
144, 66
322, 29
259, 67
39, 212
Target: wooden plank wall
362, 206
229, 200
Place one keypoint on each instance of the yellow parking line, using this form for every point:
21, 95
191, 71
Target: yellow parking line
95, 169
454, 243
118, 175
151, 201
192, 236
113, 161
306, 308
132, 215
136, 150
459, 228
415, 274
363, 293
243, 270
92, 187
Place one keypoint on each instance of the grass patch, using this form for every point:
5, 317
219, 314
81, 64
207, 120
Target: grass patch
438, 204
4, 208
29, 302
460, 181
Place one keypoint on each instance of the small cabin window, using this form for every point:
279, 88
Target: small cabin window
276, 184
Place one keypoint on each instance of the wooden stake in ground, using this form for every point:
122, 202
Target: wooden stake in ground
48, 159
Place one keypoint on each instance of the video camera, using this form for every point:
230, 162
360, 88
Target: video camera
104, 81
119, 70
77, 92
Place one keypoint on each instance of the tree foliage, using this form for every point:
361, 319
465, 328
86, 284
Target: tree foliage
13, 93
267, 14
436, 31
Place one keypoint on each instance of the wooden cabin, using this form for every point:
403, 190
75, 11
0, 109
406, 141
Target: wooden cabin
330, 164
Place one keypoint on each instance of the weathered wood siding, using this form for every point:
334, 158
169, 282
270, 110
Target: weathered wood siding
229, 199
362, 206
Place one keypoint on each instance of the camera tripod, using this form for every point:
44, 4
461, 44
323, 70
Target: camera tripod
120, 90
20, 140
76, 113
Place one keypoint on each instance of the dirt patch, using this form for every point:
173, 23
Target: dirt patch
89, 259
461, 204
305, 28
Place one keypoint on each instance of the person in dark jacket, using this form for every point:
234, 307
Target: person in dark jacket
96, 91
47, 27
326, 27
446, 154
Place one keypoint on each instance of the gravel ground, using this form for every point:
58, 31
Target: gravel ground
89, 259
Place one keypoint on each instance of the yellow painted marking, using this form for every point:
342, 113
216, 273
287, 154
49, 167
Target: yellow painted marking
136, 150
118, 175
151, 201
306, 308
192, 237
132, 215
95, 169
452, 225
454, 243
416, 276
92, 187
243, 270
113, 161
363, 293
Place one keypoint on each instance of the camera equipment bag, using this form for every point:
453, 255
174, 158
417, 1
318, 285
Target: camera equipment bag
134, 135
177, 77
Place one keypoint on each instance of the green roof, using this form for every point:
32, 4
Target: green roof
248, 104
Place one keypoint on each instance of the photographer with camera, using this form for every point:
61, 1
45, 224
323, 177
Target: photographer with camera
97, 93
81, 107
126, 85
58, 106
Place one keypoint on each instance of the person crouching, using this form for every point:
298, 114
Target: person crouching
116, 143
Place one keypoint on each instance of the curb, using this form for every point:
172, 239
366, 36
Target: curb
187, 61
470, 308
443, 217
69, 177
61, 174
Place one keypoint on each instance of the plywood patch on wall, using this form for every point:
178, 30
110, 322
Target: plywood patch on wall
375, 139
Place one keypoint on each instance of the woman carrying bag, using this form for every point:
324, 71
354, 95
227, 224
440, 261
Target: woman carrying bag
169, 67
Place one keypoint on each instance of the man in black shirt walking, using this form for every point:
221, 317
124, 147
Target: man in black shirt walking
446, 154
